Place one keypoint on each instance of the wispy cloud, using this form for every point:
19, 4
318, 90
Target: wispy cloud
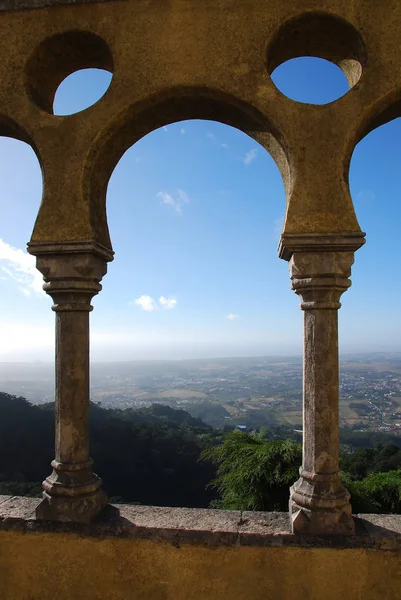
176, 200
165, 128
232, 317
167, 302
278, 226
366, 196
182, 131
146, 303
211, 136
20, 266
250, 156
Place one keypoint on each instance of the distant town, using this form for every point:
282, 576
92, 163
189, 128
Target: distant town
243, 392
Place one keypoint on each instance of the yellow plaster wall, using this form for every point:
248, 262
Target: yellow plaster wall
67, 567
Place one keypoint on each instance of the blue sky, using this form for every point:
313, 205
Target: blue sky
195, 212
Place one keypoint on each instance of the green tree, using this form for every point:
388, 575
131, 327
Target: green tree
253, 473
376, 493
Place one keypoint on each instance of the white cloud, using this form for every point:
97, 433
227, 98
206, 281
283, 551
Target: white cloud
232, 317
146, 303
175, 200
167, 302
210, 135
182, 131
250, 156
20, 266
165, 128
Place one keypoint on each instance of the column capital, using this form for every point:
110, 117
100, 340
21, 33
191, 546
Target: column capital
320, 278
72, 272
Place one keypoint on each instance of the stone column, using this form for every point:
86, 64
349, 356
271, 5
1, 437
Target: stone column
319, 503
72, 277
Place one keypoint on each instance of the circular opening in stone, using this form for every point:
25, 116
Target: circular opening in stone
80, 90
313, 51
311, 80
62, 55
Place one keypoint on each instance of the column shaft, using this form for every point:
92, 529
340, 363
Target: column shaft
72, 386
320, 391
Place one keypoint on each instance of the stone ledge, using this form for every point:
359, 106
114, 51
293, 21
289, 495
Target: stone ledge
202, 526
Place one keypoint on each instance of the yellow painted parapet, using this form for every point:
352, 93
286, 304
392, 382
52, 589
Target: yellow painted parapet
151, 553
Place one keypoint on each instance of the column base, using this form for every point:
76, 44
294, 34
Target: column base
72, 493
71, 509
316, 510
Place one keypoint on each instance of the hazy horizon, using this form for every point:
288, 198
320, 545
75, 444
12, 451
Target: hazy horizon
271, 355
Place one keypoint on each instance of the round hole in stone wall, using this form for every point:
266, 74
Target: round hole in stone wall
309, 52
59, 56
311, 80
81, 90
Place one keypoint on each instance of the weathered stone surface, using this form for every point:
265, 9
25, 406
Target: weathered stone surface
180, 524
387, 528
13, 5
16, 507
202, 527
158, 517
82, 507
319, 504
264, 523
263, 528
72, 274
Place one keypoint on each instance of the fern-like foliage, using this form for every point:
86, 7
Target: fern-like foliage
254, 473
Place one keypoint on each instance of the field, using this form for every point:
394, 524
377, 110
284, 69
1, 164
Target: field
371, 366
345, 411
397, 400
292, 417
181, 394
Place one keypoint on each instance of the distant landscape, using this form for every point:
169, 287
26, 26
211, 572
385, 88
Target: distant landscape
247, 392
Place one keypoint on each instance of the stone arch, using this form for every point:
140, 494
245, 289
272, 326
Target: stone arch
10, 128
166, 108
383, 111
375, 210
